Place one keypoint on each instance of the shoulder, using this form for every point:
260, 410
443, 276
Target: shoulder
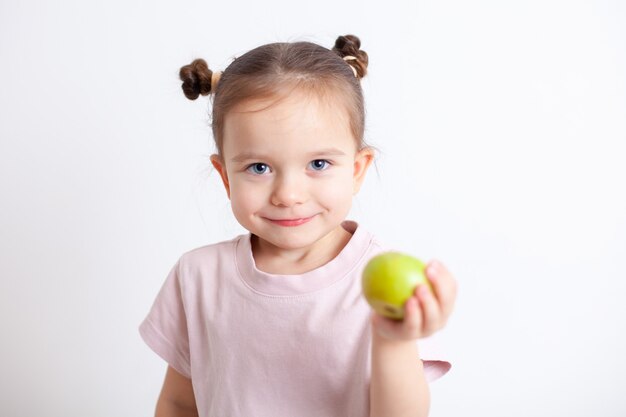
364, 245
373, 245
210, 253
204, 268
208, 262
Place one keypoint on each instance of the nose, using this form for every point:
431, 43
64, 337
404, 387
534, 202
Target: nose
288, 191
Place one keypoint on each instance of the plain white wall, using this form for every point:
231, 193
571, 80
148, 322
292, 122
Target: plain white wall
503, 131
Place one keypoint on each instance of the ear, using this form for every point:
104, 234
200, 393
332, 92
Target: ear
362, 161
218, 164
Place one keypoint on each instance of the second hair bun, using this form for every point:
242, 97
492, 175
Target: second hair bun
196, 78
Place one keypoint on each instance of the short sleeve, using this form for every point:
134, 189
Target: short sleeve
436, 363
165, 328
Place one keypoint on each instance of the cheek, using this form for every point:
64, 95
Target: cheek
245, 198
338, 190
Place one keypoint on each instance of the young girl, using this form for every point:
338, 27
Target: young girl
273, 322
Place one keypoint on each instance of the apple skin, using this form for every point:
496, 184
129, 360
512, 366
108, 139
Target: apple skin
389, 280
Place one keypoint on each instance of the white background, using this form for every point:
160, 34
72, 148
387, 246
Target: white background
502, 127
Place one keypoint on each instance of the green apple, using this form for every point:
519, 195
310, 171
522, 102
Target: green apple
389, 280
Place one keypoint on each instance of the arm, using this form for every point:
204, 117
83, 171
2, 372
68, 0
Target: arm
176, 398
398, 387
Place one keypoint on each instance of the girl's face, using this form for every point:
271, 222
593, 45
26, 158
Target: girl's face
291, 169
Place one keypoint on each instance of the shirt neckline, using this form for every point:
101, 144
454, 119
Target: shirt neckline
316, 279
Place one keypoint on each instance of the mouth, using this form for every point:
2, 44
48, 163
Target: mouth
290, 222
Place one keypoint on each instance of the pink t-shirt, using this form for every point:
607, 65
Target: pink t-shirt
267, 345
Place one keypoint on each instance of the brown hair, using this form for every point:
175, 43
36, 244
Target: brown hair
268, 70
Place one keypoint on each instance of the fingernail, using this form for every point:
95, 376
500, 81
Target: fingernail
433, 269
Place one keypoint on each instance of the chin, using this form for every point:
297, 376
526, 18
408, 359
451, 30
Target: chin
293, 238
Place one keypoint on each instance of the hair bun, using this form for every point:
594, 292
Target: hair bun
350, 45
196, 78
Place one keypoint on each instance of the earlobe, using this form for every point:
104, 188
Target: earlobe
362, 162
219, 165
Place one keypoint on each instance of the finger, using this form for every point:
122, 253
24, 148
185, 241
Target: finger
387, 327
409, 327
444, 285
413, 318
431, 310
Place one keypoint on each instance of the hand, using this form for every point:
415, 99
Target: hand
425, 312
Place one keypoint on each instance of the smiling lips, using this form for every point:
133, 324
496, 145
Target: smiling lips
291, 222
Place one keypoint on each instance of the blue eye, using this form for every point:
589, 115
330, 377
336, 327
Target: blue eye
319, 164
258, 168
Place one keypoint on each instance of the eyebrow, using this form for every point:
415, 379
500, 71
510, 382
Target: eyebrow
246, 156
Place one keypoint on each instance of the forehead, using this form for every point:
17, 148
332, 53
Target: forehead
299, 120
